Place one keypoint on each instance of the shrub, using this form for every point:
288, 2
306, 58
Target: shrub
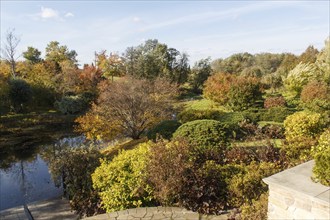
167, 169
257, 210
247, 186
244, 93
76, 165
240, 155
205, 190
303, 124
316, 96
73, 104
253, 114
273, 131
165, 129
321, 155
301, 132
277, 101
277, 114
208, 137
122, 182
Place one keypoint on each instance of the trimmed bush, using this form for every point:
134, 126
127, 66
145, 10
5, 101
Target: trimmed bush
277, 114
165, 129
122, 182
208, 137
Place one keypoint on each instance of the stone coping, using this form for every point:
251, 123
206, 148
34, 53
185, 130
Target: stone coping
298, 179
157, 213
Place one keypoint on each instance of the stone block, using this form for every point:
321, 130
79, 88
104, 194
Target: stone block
303, 204
191, 216
113, 214
158, 216
302, 214
140, 212
278, 203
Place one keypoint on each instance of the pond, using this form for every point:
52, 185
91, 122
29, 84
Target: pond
24, 174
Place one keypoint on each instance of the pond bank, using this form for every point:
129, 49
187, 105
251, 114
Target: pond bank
51, 209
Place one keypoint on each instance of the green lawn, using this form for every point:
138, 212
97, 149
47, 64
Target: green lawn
277, 142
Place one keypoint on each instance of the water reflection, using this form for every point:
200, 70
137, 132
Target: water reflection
24, 174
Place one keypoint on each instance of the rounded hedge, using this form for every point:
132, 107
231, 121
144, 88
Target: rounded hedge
208, 136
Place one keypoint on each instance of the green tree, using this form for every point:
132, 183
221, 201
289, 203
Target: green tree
19, 93
32, 54
199, 74
153, 59
57, 53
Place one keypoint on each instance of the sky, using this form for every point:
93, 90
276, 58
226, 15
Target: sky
215, 29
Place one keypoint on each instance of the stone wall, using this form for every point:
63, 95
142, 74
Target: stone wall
293, 195
157, 213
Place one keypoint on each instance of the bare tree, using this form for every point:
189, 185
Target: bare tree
9, 50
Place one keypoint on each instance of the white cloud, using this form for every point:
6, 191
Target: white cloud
69, 14
48, 13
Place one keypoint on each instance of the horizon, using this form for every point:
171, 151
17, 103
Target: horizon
215, 29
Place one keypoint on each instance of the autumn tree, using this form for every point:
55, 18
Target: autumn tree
9, 51
217, 87
110, 65
128, 107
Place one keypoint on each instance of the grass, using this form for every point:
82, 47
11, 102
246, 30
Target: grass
264, 123
277, 143
112, 151
199, 103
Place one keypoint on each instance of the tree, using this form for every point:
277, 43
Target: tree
309, 55
19, 93
32, 54
153, 59
128, 107
199, 74
216, 87
10, 49
244, 93
300, 76
57, 53
112, 65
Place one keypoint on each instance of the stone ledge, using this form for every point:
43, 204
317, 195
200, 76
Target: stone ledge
298, 179
293, 195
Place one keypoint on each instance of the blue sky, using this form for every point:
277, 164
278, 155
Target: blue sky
201, 28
